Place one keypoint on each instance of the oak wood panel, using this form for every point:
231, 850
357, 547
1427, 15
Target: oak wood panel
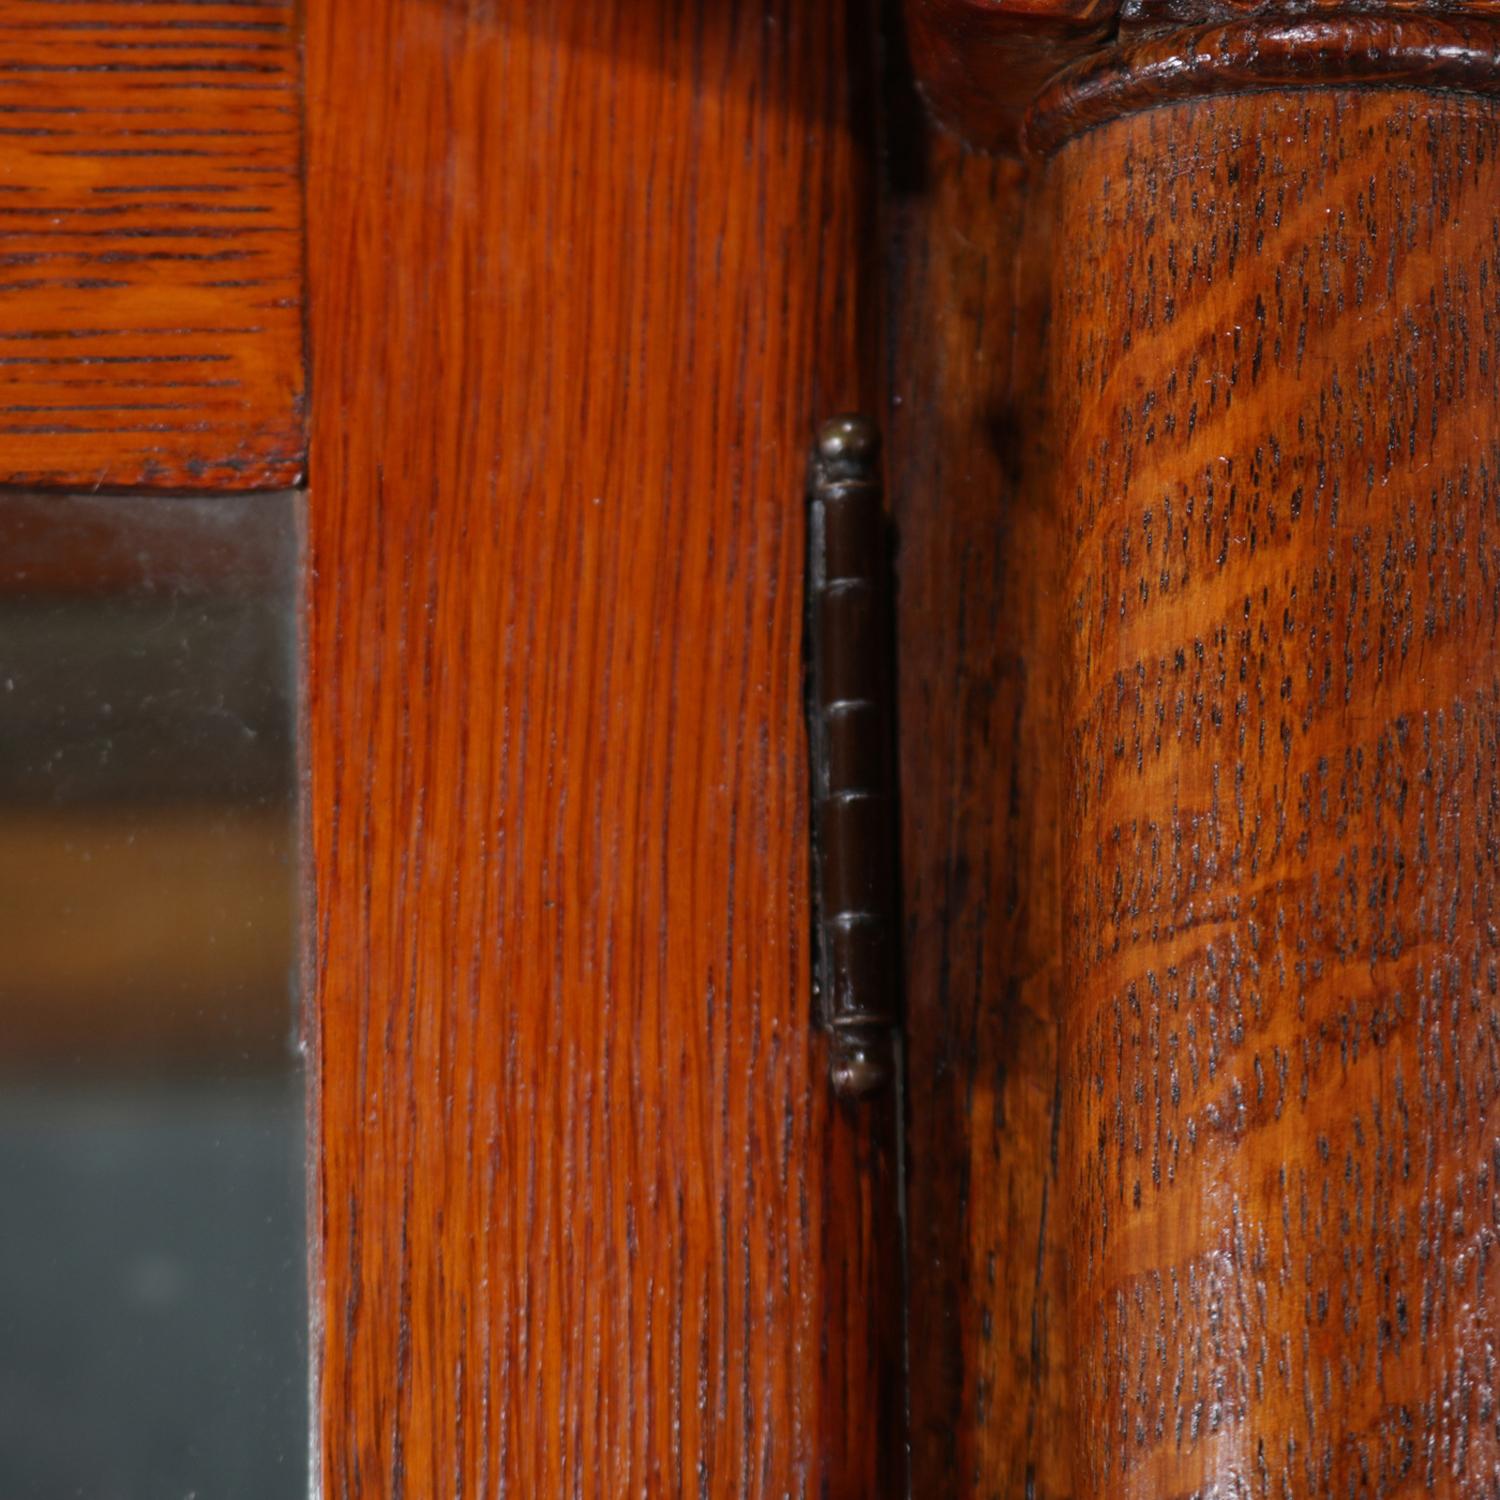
1277, 379
582, 278
981, 783
150, 244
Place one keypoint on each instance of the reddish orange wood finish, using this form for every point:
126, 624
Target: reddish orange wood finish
582, 278
150, 244
981, 783
1277, 378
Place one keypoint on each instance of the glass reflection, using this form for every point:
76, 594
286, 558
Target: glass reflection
152, 1270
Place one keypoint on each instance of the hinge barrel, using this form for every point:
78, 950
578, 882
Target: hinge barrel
850, 720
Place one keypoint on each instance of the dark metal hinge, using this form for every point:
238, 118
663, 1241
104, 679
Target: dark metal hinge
850, 723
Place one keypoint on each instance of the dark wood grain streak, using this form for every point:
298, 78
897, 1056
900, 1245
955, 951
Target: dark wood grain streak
583, 277
980, 792
150, 244
1277, 377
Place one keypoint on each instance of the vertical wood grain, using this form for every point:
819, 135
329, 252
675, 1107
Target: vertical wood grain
981, 786
150, 244
583, 276
1278, 390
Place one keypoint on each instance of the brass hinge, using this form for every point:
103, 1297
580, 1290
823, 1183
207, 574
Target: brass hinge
850, 725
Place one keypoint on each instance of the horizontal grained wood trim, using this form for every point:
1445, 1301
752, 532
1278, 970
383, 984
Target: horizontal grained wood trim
150, 244
1391, 50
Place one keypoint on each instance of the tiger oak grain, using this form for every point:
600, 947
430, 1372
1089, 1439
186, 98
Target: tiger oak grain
1277, 381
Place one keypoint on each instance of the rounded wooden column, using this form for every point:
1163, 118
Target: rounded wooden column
1275, 359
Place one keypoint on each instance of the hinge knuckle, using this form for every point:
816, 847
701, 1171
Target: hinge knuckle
851, 721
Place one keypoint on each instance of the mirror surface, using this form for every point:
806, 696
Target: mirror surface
153, 1306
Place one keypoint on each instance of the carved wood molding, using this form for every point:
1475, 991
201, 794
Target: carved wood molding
1389, 49
1013, 77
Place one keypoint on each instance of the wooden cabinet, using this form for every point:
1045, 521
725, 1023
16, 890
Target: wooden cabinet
1179, 320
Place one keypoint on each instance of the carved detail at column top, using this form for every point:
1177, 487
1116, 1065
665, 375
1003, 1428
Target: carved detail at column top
1313, 50
1026, 75
1141, 13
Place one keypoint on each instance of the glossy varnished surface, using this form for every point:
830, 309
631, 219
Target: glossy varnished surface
1025, 75
583, 278
1278, 394
1263, 45
150, 244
